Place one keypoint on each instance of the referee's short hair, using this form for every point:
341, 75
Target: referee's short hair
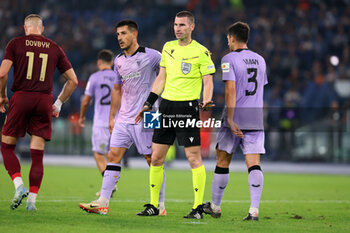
105, 55
132, 25
240, 31
187, 14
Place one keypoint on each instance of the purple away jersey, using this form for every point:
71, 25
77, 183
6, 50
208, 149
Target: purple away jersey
100, 87
248, 70
136, 73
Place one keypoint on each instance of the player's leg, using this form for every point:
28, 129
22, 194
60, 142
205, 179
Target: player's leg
100, 161
120, 142
189, 137
161, 204
220, 181
110, 179
13, 168
252, 147
40, 128
15, 126
37, 145
161, 141
143, 141
112, 172
155, 178
226, 145
193, 155
255, 181
100, 146
157, 171
101, 164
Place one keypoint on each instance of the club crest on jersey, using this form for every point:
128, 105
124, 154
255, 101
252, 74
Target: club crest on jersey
185, 67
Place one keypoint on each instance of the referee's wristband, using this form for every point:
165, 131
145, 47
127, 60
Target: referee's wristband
152, 98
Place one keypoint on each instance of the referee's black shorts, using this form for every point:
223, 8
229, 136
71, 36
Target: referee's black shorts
178, 121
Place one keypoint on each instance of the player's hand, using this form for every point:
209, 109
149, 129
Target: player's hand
139, 116
81, 122
55, 112
206, 105
111, 125
4, 101
235, 129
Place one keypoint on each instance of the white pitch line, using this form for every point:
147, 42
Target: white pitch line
186, 201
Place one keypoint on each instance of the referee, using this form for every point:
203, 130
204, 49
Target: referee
184, 66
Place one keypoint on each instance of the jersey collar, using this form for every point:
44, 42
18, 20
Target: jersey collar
239, 50
139, 49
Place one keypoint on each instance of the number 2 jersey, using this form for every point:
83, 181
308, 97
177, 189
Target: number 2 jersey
136, 74
248, 70
35, 59
100, 88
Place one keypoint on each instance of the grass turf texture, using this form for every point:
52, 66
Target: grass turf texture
290, 203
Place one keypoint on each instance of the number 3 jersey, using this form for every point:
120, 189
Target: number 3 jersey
100, 88
35, 59
136, 74
248, 70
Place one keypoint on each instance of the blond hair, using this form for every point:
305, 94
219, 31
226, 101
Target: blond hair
33, 20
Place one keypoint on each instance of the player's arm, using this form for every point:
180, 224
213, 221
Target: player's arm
159, 82
157, 89
4, 69
83, 108
208, 88
116, 99
230, 98
68, 88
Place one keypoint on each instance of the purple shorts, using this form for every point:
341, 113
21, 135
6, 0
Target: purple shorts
100, 139
252, 143
124, 135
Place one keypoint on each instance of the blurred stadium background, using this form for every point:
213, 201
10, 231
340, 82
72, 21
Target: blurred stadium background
305, 43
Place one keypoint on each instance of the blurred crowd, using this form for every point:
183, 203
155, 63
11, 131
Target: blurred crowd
305, 43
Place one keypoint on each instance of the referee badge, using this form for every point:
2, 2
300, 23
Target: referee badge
185, 67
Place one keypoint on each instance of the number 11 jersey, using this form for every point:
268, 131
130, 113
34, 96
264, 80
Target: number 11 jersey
248, 70
35, 59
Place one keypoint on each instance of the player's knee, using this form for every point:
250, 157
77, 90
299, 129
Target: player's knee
114, 157
157, 160
223, 161
195, 161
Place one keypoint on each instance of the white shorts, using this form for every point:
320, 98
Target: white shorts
124, 135
100, 140
252, 143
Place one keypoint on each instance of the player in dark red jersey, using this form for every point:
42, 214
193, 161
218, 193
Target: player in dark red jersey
34, 59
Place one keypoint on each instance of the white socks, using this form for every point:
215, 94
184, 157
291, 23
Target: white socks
104, 201
253, 210
161, 205
17, 181
32, 197
215, 208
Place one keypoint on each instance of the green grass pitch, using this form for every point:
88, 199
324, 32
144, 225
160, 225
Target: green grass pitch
290, 203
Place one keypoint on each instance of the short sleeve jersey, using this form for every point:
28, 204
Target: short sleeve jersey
136, 74
248, 70
35, 59
99, 87
185, 68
